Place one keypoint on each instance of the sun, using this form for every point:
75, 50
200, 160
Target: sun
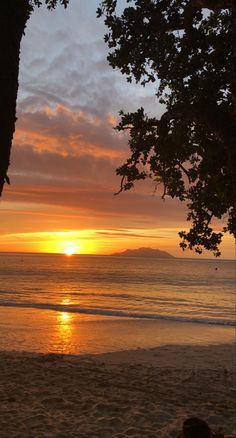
70, 250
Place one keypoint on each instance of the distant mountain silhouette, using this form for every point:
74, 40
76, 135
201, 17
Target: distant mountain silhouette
144, 252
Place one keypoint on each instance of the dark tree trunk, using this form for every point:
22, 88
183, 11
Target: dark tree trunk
234, 57
13, 17
233, 131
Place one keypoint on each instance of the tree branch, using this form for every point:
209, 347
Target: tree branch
211, 4
121, 186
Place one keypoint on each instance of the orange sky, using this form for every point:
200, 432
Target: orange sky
66, 151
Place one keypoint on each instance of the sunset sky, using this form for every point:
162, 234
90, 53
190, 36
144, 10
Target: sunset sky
66, 151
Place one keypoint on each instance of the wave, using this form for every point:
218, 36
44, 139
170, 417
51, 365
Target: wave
118, 313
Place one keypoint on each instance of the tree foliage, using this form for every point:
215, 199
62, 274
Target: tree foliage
14, 15
51, 4
189, 53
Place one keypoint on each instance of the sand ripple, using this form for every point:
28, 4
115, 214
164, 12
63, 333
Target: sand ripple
62, 396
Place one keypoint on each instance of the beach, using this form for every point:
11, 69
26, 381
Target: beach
138, 393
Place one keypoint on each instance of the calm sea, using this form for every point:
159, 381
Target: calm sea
94, 287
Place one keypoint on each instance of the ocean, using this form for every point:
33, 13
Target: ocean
45, 299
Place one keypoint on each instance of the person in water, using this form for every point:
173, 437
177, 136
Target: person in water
196, 428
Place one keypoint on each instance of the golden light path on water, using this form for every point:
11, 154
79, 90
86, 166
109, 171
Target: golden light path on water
65, 327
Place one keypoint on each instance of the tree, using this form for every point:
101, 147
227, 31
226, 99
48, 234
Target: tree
190, 52
14, 15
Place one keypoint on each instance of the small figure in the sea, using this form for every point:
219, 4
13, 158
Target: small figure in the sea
195, 427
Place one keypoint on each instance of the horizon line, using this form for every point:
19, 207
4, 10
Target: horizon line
111, 255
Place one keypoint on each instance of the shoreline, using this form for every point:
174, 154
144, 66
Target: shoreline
61, 332
132, 393
178, 356
186, 356
102, 315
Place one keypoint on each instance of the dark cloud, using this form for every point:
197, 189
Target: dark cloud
126, 233
32, 167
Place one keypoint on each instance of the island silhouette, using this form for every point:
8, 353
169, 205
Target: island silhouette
144, 252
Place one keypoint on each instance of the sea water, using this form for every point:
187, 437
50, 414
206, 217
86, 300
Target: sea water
83, 303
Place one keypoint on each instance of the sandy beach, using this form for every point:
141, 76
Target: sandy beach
141, 393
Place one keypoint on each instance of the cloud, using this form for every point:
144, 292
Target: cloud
126, 233
34, 167
69, 132
68, 103
134, 209
69, 65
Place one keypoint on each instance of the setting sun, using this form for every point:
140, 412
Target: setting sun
70, 250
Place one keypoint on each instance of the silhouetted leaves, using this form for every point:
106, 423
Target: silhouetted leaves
51, 4
191, 149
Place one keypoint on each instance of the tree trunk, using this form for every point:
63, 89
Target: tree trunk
233, 142
13, 17
234, 57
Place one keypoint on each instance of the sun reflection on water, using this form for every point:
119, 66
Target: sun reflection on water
65, 328
65, 319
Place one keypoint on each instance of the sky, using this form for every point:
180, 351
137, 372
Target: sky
65, 148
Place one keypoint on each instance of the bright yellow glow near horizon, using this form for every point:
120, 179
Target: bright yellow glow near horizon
68, 243
70, 250
103, 241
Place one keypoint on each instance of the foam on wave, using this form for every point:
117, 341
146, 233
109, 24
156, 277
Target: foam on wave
117, 313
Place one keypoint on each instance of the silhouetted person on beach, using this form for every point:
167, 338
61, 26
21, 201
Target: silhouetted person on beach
196, 428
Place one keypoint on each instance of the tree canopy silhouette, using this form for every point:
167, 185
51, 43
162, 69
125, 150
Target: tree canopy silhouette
14, 15
188, 48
